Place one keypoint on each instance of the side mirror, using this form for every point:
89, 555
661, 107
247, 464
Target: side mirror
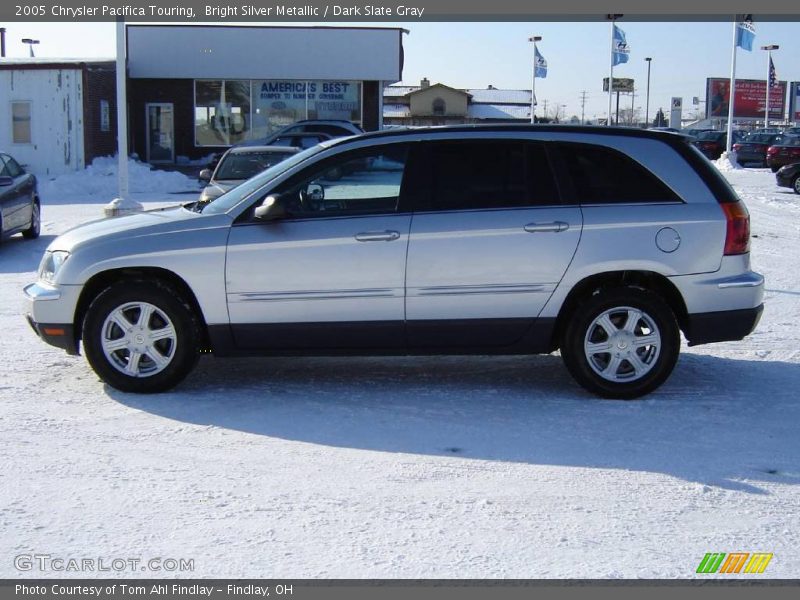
270, 209
316, 192
6, 181
205, 175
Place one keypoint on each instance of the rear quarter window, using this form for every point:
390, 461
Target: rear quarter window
602, 175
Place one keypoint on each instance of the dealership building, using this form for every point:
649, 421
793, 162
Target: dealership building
195, 90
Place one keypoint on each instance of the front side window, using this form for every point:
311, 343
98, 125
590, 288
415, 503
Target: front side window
10, 167
469, 175
21, 122
601, 175
357, 183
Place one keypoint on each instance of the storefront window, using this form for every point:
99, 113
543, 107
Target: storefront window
221, 112
228, 112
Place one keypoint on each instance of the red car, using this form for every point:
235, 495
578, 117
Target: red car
785, 153
753, 148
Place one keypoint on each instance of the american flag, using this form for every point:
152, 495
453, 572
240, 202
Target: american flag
773, 78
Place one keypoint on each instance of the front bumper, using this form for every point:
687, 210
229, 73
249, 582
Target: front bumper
722, 326
56, 334
50, 312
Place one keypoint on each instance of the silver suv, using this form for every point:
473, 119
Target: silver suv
603, 243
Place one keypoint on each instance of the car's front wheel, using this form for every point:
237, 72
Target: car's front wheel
796, 184
141, 336
621, 343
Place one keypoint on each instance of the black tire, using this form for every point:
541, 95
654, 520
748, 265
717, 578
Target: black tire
658, 359
36, 221
180, 351
796, 184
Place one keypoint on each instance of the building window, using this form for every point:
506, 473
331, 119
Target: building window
228, 112
105, 116
439, 107
21, 122
221, 112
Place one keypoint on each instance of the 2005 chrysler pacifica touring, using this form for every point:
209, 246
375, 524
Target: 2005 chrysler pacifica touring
603, 243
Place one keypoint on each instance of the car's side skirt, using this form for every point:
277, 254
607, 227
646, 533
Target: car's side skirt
387, 338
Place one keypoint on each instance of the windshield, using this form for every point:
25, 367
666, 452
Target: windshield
246, 164
239, 193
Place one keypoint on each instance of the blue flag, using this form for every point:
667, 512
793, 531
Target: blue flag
621, 50
745, 35
540, 64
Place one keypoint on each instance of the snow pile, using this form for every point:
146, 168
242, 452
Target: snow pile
100, 179
727, 162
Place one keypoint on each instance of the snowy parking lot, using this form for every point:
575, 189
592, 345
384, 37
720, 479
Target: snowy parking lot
402, 467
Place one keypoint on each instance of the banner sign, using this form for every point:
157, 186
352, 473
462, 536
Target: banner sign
794, 102
751, 96
621, 84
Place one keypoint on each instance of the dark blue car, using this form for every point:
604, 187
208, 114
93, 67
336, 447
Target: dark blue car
20, 208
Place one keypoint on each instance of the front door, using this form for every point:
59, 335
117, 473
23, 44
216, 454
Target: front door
490, 242
160, 133
330, 275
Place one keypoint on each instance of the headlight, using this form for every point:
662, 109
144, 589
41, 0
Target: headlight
51, 264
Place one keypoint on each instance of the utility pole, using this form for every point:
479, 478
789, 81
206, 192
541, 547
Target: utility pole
583, 104
545, 108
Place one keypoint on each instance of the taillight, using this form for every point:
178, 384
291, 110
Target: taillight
737, 234
773, 150
794, 152
737, 146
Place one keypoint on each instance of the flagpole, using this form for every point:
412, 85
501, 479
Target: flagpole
731, 91
769, 48
534, 39
611, 70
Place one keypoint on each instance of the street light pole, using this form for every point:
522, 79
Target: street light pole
30, 43
769, 50
534, 39
647, 103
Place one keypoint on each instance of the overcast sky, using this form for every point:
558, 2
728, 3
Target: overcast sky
474, 55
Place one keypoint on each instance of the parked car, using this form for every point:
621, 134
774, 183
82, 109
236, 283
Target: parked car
296, 139
238, 165
784, 153
694, 132
753, 148
300, 140
789, 176
20, 207
792, 130
331, 127
603, 242
713, 143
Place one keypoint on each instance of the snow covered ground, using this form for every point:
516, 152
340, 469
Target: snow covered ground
403, 467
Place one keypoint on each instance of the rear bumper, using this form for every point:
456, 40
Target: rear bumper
722, 326
784, 179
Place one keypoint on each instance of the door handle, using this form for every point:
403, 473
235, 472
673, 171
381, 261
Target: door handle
555, 226
378, 236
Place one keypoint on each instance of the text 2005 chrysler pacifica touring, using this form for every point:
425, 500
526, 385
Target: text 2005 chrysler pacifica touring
605, 243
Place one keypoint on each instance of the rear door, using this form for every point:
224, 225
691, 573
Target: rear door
490, 240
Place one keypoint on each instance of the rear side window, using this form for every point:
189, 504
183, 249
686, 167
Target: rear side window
601, 175
473, 175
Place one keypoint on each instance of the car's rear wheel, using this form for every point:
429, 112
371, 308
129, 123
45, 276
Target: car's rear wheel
621, 343
36, 221
796, 184
141, 336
